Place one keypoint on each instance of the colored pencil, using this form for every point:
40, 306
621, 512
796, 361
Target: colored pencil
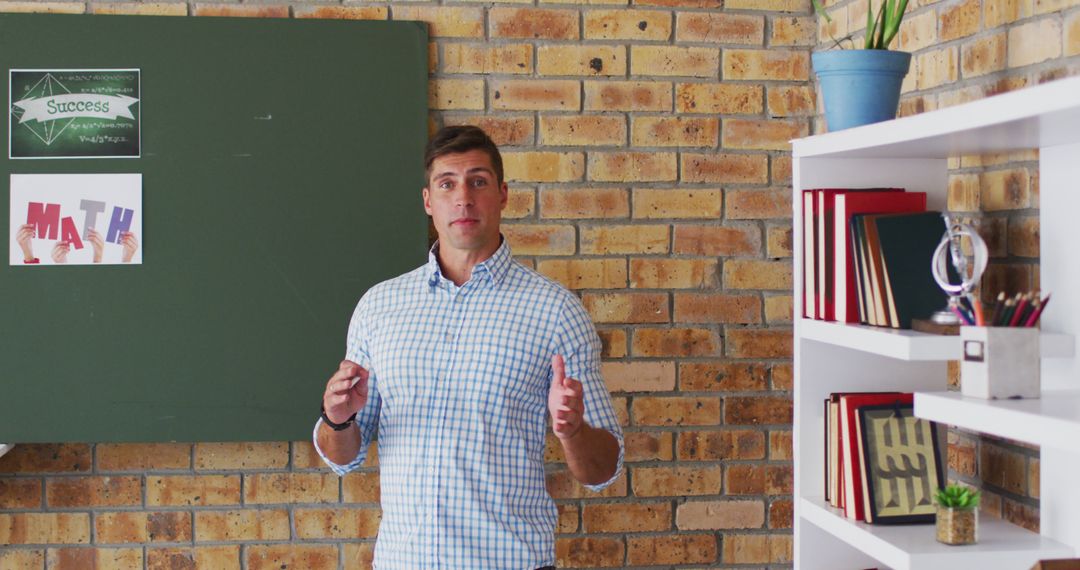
997, 308
1006, 310
1020, 309
1034, 318
960, 313
977, 307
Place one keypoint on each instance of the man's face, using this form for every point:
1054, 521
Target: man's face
465, 201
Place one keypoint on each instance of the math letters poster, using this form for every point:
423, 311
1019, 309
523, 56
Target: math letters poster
73, 113
75, 219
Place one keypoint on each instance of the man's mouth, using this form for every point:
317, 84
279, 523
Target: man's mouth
464, 222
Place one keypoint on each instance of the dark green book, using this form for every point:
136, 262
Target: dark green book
857, 238
907, 244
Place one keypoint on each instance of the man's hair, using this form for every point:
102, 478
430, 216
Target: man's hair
459, 139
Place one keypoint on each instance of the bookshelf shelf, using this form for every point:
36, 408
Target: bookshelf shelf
912, 547
913, 345
914, 153
1053, 420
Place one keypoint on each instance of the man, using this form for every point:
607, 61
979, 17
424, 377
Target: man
459, 363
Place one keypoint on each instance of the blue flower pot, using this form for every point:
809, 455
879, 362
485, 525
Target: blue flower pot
860, 86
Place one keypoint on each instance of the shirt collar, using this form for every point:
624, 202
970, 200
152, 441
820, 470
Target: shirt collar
494, 268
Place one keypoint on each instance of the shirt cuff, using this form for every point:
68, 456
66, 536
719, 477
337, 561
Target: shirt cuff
341, 470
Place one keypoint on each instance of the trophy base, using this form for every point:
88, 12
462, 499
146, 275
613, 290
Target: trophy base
929, 326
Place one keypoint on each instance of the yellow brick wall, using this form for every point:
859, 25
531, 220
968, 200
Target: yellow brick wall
965, 50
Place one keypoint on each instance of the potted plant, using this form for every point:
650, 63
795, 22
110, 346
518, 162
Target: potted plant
957, 515
862, 86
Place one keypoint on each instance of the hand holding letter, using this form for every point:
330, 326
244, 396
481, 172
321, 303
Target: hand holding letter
97, 242
23, 237
565, 401
60, 252
131, 245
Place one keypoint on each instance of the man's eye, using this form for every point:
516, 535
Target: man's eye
480, 182
446, 185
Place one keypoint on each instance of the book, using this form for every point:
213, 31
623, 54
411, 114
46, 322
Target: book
902, 465
810, 260
857, 239
876, 280
907, 243
845, 205
853, 502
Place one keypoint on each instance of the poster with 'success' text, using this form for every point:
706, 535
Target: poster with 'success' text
75, 219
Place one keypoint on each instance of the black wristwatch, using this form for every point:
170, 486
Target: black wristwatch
336, 427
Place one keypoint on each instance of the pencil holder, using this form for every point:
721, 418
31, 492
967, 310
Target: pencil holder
1000, 362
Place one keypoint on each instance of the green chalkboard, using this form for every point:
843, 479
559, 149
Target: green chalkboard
281, 166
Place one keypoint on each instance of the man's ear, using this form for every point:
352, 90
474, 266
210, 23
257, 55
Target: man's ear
427, 203
505, 191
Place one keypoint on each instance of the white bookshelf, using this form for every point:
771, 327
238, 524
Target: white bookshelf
829, 357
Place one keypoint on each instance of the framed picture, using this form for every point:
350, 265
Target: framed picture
902, 464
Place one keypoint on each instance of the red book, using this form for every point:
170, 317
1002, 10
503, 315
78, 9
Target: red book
886, 201
810, 263
823, 214
853, 491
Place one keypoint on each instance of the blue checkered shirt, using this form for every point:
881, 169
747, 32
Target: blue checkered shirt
459, 385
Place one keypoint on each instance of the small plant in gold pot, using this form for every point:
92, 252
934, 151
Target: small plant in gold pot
957, 514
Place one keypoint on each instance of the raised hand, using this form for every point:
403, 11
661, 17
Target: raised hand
131, 245
60, 252
346, 392
565, 401
97, 242
23, 237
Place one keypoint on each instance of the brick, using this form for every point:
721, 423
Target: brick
999, 12
791, 101
540, 240
613, 343
202, 490
460, 94
361, 487
622, 412
1010, 278
650, 273
568, 519
143, 456
1034, 42
676, 411
783, 377
140, 527
705, 4
1034, 470
627, 307
562, 485
960, 20
647, 446
1072, 34
22, 559
779, 309
781, 514
592, 60
964, 193
94, 558
586, 273
759, 343
240, 11
1003, 468
778, 241
719, 98
633, 166
719, 27
781, 169
483, 58
1049, 6
1022, 515
745, 480
533, 23
725, 168
793, 31
584, 203
241, 456
1005, 189
720, 445
768, 134
445, 21
757, 410
627, 96
674, 61
676, 481
589, 551
504, 130
652, 203
757, 549
916, 105
582, 130
114, 491
717, 308
648, 342
536, 95
45, 528
639, 376
134, 9
918, 32
802, 6
624, 24
756, 274
308, 557
606, 240
215, 557
778, 65
544, 166
675, 131
721, 376
46, 458
26, 493
342, 12
337, 523
671, 549
758, 204
720, 515
717, 240
271, 488
962, 457
935, 68
626, 517
1024, 237
242, 525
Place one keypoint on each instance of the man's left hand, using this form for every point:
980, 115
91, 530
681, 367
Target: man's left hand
565, 402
